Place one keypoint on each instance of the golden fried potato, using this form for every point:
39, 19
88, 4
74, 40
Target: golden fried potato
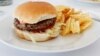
85, 25
65, 29
66, 11
75, 26
67, 14
72, 21
72, 25
60, 17
82, 17
84, 20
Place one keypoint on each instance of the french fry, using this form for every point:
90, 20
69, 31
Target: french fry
66, 28
72, 28
60, 18
85, 25
67, 15
82, 17
72, 21
77, 27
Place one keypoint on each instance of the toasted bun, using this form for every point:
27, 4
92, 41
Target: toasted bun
38, 37
33, 12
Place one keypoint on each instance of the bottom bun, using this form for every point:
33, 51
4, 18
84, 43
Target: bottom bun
39, 37
35, 37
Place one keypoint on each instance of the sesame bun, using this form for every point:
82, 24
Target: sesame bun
33, 12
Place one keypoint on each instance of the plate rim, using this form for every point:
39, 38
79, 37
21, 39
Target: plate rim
50, 51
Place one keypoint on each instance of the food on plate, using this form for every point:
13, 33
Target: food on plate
41, 21
35, 21
73, 21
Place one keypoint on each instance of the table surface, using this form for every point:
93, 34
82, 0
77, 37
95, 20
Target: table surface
92, 50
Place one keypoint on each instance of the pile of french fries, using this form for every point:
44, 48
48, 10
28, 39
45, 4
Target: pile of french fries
73, 21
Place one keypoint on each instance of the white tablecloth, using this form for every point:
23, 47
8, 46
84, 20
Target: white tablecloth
92, 50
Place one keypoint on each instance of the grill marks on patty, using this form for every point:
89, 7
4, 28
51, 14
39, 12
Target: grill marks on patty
41, 26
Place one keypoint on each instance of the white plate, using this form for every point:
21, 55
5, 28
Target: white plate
89, 1
60, 44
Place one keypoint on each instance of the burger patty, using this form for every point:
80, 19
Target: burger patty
41, 26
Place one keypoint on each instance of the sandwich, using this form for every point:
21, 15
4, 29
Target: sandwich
36, 21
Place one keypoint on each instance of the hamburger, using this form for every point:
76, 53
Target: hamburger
36, 21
